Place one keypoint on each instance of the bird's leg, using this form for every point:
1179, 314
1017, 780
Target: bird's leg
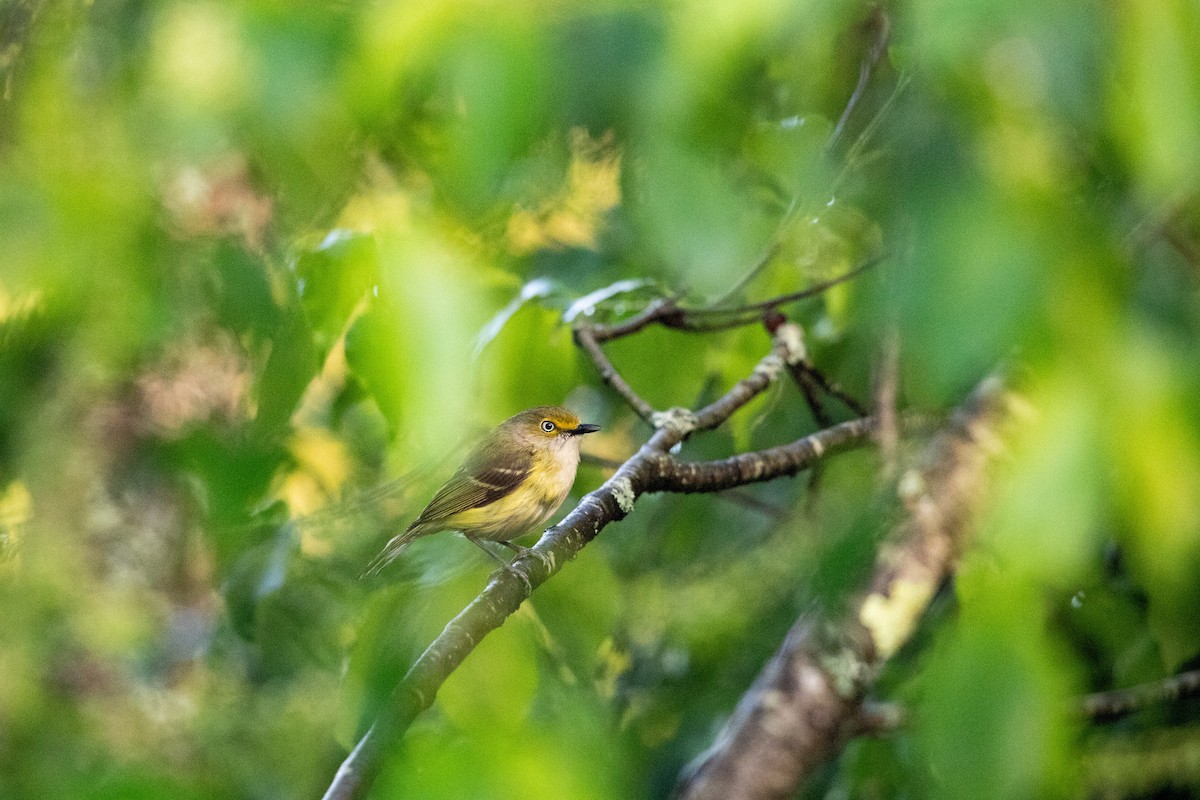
529, 551
507, 566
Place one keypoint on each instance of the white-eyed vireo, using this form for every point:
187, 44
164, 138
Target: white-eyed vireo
513, 481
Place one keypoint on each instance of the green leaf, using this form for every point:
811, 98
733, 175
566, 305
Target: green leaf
290, 367
990, 718
373, 350
332, 279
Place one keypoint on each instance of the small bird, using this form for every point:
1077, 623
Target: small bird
511, 482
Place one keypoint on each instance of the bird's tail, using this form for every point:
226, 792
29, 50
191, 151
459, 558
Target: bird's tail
392, 550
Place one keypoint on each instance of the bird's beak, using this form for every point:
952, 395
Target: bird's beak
586, 427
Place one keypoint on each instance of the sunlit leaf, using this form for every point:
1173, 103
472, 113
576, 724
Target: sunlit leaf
534, 289
587, 304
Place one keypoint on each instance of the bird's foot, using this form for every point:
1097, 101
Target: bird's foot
513, 569
522, 552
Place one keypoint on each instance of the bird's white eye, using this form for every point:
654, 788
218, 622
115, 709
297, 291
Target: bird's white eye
547, 426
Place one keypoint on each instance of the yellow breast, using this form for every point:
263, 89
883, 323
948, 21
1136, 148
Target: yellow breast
526, 507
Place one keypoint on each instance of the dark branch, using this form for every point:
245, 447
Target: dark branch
880, 719
735, 496
668, 313
1126, 701
608, 373
667, 474
747, 388
755, 310
651, 314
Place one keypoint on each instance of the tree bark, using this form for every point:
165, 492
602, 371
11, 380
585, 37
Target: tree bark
802, 708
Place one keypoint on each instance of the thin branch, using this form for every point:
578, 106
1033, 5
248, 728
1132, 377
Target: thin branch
585, 338
668, 313
768, 254
1126, 701
756, 309
747, 388
869, 132
833, 390
651, 314
883, 718
887, 389
735, 496
803, 705
881, 25
1159, 763
811, 398
748, 501
649, 469
668, 474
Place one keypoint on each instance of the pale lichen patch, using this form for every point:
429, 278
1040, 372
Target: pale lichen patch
911, 485
890, 619
792, 338
845, 670
679, 420
770, 367
622, 492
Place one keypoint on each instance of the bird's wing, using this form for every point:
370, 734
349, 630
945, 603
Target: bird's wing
486, 476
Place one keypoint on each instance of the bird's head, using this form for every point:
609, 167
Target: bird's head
549, 425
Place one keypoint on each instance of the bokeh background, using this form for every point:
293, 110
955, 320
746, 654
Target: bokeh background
267, 269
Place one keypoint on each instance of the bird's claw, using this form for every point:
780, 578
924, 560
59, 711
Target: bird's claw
539, 555
513, 569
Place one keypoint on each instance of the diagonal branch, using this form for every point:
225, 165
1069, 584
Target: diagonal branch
650, 469
1134, 698
878, 24
802, 707
585, 338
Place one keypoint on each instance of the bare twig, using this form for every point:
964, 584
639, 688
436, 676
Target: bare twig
880, 26
668, 474
882, 718
809, 389
833, 390
864, 138
804, 704
752, 311
585, 338
1135, 698
887, 388
668, 313
736, 496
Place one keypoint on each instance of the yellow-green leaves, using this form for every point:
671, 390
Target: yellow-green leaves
1155, 88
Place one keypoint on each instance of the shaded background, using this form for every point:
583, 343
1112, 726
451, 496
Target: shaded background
261, 263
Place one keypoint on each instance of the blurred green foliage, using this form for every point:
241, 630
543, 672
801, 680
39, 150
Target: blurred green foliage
264, 262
